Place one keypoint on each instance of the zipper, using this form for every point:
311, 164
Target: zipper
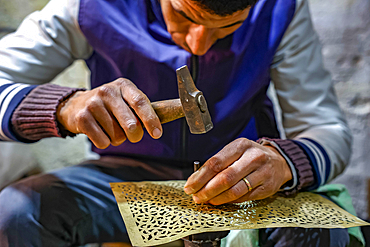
194, 68
194, 64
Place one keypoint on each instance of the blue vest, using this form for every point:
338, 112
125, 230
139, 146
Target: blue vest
130, 40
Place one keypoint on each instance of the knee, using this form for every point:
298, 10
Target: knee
17, 207
33, 210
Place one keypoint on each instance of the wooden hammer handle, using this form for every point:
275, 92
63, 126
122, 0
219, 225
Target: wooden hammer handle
168, 110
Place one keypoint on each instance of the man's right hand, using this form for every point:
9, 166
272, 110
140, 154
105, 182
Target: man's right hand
109, 114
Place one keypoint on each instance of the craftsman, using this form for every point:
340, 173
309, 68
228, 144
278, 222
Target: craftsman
234, 48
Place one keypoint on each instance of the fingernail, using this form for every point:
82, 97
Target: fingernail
132, 127
157, 133
197, 199
188, 190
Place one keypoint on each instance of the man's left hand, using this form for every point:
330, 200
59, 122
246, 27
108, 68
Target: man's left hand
220, 179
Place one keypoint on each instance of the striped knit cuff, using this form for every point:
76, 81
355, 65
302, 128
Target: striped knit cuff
35, 117
300, 161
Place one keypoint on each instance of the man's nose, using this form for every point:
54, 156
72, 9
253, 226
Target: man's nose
199, 39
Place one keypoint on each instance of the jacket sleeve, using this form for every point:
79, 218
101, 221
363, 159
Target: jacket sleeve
46, 43
310, 113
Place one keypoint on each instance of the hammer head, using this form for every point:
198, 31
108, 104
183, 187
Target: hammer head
193, 103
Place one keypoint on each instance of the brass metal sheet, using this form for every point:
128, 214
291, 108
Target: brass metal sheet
160, 212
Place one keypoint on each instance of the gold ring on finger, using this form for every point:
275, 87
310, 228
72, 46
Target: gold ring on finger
248, 184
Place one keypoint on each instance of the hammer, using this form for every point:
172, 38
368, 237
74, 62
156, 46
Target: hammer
192, 105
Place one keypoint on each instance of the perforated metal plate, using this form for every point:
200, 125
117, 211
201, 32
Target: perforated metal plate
160, 212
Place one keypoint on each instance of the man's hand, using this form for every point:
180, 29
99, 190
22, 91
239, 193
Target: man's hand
109, 114
220, 179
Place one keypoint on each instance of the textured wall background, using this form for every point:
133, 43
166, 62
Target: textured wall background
344, 29
48, 153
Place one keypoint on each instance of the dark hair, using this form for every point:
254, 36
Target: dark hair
224, 7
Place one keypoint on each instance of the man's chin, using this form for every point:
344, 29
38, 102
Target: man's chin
199, 53
193, 53
187, 48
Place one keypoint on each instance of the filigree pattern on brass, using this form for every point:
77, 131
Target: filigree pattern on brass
160, 212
